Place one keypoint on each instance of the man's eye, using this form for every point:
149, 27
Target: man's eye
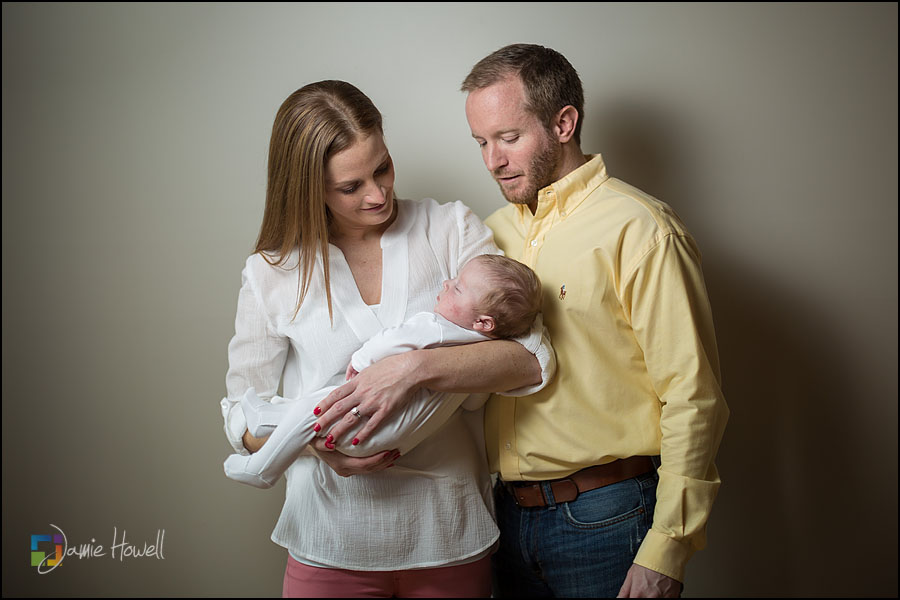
511, 140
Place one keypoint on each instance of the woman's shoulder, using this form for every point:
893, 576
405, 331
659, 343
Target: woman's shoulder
443, 216
269, 266
432, 206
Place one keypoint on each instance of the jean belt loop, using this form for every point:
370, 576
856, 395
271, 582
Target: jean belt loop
548, 495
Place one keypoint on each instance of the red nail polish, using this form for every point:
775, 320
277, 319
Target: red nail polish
329, 445
330, 438
317, 428
316, 411
355, 441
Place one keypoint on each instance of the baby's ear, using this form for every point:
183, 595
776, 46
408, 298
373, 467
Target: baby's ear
484, 324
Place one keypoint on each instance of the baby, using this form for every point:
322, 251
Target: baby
493, 297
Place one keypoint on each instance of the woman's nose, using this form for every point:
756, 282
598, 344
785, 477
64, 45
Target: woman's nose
376, 194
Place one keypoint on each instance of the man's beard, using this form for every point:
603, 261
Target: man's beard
541, 173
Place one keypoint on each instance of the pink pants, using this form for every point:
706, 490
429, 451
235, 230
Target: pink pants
472, 580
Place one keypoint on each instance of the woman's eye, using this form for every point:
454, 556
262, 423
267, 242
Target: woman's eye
348, 190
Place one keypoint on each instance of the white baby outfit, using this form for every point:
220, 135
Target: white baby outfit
290, 424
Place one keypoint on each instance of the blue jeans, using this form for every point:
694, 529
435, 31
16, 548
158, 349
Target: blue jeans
574, 549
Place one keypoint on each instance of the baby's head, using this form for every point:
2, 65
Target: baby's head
492, 294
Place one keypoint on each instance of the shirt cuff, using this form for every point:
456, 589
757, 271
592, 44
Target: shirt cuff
235, 425
536, 342
662, 554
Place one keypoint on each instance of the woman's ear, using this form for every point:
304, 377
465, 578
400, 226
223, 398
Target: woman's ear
564, 123
484, 324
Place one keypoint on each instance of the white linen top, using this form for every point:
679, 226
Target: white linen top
435, 506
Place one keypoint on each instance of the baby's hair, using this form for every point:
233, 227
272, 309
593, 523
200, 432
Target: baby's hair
515, 300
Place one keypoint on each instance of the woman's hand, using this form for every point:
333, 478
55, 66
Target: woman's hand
350, 373
376, 393
345, 466
253, 444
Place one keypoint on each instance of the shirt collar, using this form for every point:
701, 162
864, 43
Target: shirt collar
564, 195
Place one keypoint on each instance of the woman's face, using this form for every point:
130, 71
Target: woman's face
359, 186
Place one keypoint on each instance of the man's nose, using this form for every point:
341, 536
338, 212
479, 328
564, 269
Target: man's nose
494, 157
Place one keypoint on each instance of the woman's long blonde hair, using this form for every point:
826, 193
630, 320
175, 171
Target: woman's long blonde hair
314, 123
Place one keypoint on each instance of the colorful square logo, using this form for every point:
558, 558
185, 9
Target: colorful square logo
39, 558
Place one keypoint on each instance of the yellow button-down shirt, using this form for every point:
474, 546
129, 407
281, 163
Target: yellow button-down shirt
637, 364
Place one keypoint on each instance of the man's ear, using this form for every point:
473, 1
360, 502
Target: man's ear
564, 123
484, 324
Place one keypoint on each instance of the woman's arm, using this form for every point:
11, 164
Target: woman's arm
253, 444
389, 384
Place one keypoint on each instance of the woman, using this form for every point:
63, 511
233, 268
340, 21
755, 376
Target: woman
339, 258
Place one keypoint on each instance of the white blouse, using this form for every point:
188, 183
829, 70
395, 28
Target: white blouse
434, 507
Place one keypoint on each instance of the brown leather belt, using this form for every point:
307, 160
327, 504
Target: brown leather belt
529, 494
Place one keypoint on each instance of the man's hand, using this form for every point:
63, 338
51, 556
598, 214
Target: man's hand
376, 392
641, 582
345, 466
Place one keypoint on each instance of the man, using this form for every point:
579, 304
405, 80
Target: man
638, 371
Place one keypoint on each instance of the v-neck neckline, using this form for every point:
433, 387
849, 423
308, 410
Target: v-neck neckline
345, 295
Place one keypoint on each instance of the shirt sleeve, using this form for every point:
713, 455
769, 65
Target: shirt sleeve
665, 298
256, 358
476, 238
537, 341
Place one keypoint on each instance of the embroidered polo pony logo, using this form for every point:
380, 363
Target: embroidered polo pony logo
562, 292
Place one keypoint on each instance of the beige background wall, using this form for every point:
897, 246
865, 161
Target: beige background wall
134, 145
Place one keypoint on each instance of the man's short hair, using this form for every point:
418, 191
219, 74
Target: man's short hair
551, 83
515, 298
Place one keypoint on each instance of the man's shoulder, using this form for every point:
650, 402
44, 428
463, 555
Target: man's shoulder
504, 214
632, 205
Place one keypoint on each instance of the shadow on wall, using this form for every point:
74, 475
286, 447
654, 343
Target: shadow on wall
806, 507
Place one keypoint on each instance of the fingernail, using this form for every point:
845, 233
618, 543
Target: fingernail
317, 410
355, 441
330, 438
329, 445
317, 428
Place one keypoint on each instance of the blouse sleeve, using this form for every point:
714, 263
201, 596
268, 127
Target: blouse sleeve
256, 358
